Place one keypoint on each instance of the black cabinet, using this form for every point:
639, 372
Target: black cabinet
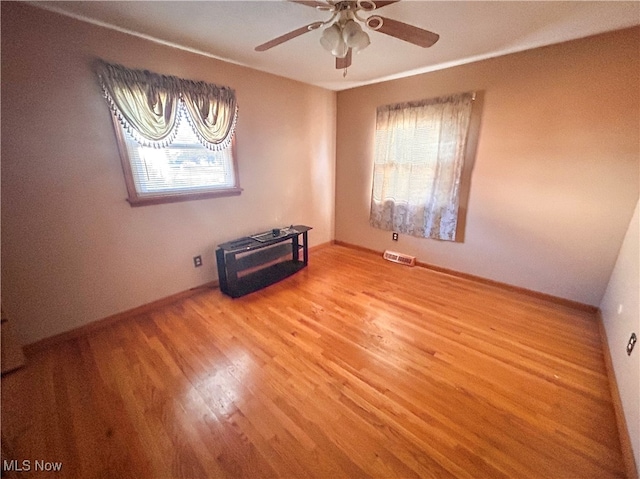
253, 262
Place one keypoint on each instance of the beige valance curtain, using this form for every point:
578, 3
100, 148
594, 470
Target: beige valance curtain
419, 155
150, 106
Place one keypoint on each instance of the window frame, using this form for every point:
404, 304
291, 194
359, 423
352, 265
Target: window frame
135, 199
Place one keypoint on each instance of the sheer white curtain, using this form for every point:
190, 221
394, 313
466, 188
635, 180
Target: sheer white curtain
419, 155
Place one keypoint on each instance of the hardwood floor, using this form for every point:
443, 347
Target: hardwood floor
354, 367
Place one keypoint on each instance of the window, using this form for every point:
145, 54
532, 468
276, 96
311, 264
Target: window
175, 136
182, 170
419, 156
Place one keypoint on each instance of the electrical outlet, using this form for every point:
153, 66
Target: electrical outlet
197, 261
394, 236
632, 342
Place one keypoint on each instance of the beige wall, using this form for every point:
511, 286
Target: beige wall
621, 315
556, 173
73, 250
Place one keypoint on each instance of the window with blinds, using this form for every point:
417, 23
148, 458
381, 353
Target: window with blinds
420, 149
184, 166
182, 170
175, 136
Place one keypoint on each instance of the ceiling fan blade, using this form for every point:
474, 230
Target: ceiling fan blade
381, 3
342, 63
313, 3
403, 31
288, 36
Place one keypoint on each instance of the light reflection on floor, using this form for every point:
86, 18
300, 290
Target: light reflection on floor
222, 388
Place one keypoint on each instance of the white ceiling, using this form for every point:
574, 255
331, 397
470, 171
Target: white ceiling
469, 31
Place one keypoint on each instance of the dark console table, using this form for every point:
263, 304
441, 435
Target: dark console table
253, 262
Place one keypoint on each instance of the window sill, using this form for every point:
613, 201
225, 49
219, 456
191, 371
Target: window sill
174, 198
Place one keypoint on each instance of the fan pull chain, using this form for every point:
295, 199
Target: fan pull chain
344, 73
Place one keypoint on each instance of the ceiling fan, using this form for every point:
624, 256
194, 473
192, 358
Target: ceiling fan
344, 34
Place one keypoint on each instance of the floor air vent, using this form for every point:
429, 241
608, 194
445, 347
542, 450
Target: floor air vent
399, 258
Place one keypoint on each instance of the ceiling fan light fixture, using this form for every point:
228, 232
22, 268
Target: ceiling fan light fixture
331, 37
343, 34
350, 29
354, 36
341, 49
333, 40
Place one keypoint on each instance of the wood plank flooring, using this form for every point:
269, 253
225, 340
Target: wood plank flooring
354, 367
